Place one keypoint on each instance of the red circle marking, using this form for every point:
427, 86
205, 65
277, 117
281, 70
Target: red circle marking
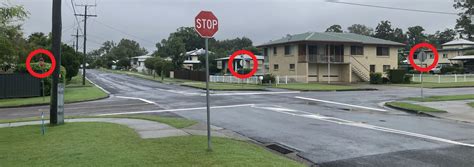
231, 67
423, 45
47, 73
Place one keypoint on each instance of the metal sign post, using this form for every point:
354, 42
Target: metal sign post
206, 25
422, 56
208, 108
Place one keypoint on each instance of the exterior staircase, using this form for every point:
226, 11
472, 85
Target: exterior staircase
360, 70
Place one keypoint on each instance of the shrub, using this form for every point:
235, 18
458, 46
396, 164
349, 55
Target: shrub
396, 76
407, 79
21, 68
267, 78
452, 70
376, 78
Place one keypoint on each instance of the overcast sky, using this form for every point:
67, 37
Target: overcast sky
149, 21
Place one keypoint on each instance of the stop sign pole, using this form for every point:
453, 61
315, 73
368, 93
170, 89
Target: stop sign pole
206, 25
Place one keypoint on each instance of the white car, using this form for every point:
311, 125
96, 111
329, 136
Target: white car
436, 70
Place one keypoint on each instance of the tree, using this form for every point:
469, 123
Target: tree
463, 23
384, 30
150, 63
399, 36
360, 29
70, 60
415, 35
334, 28
12, 43
162, 66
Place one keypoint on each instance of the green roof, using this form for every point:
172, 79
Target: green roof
331, 37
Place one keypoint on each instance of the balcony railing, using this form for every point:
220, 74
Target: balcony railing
324, 58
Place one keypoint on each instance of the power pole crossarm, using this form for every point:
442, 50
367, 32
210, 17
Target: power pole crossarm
85, 15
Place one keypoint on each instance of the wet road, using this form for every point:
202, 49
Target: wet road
328, 128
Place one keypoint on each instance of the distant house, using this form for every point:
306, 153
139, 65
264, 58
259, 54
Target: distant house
138, 62
455, 53
324, 57
192, 58
241, 62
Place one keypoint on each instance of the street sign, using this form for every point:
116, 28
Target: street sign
206, 24
422, 56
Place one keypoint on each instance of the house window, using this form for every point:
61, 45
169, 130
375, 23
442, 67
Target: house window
265, 51
313, 50
445, 56
357, 50
275, 67
292, 67
287, 49
383, 51
274, 51
386, 67
372, 68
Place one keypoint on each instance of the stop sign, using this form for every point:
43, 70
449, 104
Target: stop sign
206, 24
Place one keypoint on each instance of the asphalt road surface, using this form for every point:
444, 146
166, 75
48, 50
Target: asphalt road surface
327, 128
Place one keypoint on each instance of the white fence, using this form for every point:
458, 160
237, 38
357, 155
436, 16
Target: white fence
255, 80
443, 78
232, 79
286, 79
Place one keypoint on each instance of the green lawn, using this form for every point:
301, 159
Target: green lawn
412, 107
471, 104
439, 85
172, 121
74, 92
224, 86
107, 144
442, 98
316, 87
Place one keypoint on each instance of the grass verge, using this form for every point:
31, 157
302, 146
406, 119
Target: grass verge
317, 87
439, 85
172, 121
74, 92
107, 144
442, 98
413, 107
471, 104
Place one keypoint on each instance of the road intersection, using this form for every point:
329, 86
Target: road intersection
328, 128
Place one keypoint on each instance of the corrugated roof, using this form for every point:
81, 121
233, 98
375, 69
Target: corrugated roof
458, 42
331, 37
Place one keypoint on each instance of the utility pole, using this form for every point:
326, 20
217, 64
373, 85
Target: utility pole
85, 15
77, 41
55, 116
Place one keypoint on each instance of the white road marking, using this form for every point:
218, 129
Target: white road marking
251, 93
98, 86
174, 110
179, 92
136, 98
343, 104
367, 126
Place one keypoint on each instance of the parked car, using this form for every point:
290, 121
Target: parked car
436, 70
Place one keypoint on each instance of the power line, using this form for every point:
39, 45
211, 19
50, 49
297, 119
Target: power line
392, 8
75, 16
123, 32
85, 15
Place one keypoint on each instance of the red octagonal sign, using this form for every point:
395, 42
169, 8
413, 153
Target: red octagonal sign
206, 24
